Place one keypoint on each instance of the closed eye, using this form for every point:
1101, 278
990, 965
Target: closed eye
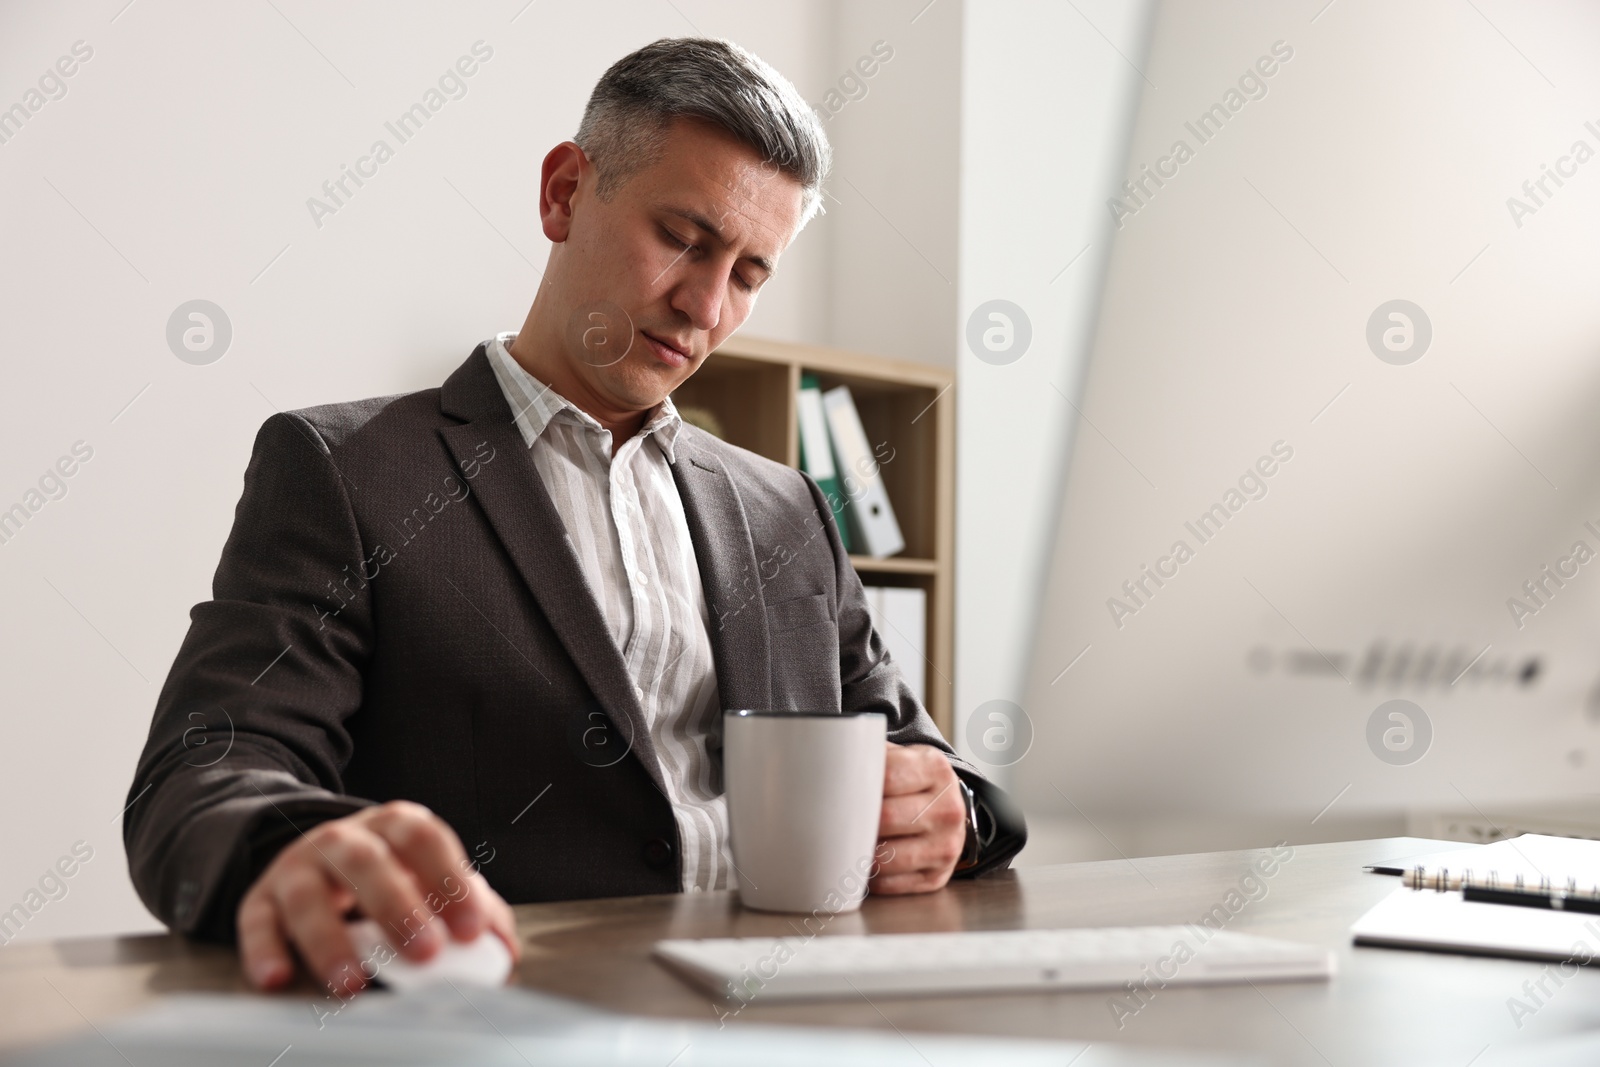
674, 240
684, 246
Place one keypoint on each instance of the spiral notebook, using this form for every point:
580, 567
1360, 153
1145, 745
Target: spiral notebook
1531, 857
1529, 897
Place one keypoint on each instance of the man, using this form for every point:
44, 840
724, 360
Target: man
509, 612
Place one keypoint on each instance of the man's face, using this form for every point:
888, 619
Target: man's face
656, 278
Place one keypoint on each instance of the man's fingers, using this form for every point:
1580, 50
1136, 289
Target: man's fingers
263, 953
433, 853
894, 857
383, 888
399, 863
912, 865
303, 899
935, 853
923, 818
903, 770
502, 921
913, 768
920, 813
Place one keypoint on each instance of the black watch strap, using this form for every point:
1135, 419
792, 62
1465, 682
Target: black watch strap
973, 847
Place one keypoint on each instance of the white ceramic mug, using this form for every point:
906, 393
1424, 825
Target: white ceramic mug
804, 791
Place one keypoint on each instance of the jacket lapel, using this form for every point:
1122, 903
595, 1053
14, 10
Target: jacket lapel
729, 573
519, 508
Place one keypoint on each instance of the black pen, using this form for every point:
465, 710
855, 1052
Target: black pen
1532, 898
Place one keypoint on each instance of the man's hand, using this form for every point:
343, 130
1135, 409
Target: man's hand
399, 863
923, 826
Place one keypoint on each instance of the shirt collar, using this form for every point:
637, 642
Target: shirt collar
534, 405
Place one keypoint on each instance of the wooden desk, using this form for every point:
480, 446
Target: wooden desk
1384, 1006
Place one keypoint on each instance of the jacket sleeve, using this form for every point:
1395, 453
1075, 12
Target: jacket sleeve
249, 738
870, 680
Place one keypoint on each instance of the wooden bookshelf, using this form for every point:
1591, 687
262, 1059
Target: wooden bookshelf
750, 385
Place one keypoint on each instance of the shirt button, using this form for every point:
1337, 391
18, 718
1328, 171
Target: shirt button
639, 689
644, 579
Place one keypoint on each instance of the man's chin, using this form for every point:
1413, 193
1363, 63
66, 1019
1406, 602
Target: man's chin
642, 399
649, 384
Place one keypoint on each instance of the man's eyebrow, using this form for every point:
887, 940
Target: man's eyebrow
692, 216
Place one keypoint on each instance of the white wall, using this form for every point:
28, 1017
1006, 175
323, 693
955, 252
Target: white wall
1048, 93
894, 193
177, 166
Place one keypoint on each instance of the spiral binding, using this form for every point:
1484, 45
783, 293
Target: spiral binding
1442, 880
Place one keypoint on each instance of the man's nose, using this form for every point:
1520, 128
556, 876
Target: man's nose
700, 296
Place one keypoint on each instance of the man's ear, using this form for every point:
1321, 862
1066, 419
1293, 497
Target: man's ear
559, 177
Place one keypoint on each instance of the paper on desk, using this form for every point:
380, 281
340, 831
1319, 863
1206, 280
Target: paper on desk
1533, 856
515, 1027
1426, 919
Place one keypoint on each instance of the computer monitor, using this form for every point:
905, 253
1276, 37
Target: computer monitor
1330, 535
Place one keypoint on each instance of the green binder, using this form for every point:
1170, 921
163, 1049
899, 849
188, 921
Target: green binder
816, 453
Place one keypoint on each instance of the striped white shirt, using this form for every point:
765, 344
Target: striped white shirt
626, 521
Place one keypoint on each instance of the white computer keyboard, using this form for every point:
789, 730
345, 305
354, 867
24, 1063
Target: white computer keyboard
975, 961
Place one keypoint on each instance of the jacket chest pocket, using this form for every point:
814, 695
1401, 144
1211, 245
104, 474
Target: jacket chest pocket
804, 646
797, 613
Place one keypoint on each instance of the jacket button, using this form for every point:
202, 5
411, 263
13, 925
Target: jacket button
657, 853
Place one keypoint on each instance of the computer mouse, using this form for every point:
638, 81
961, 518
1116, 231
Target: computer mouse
483, 962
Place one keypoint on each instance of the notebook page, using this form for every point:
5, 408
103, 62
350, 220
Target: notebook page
1533, 856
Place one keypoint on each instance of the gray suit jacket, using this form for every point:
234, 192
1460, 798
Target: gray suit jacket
399, 613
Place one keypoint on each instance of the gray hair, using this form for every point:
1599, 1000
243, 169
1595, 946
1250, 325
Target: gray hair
624, 127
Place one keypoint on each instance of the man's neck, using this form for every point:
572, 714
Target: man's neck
538, 361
